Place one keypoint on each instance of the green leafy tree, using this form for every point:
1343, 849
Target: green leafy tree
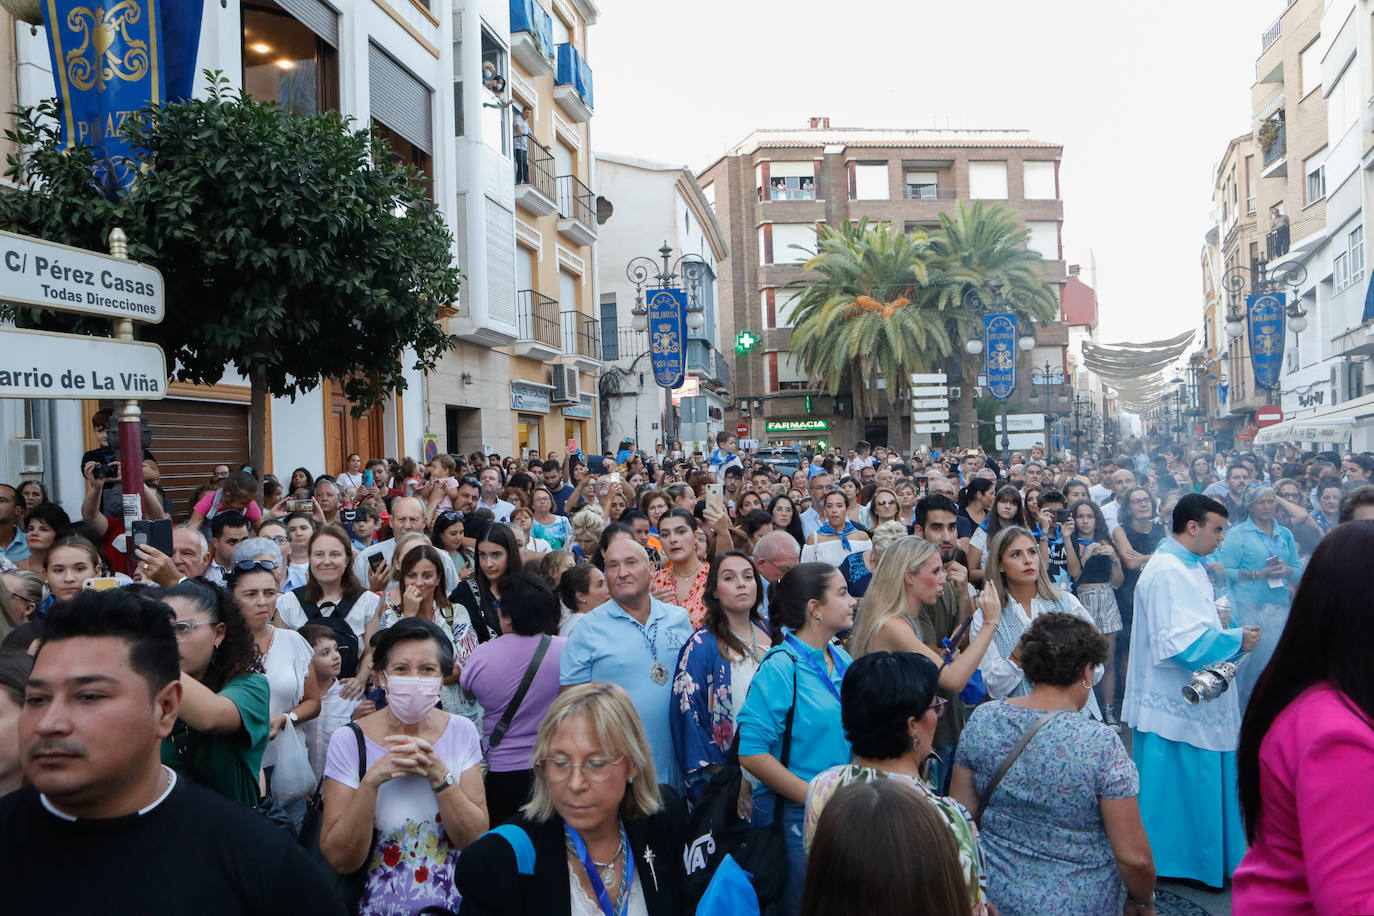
866, 315
979, 248
294, 248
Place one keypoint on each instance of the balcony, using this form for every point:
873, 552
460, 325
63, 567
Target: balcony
709, 363
572, 84
537, 318
576, 210
1276, 243
582, 340
929, 192
538, 193
1273, 140
531, 37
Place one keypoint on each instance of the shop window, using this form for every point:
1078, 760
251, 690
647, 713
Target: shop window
285, 61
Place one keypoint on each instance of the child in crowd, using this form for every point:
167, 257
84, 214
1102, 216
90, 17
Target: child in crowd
335, 711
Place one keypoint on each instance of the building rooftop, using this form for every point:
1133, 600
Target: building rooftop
865, 136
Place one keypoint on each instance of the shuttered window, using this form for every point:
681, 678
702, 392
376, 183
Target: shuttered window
319, 17
399, 100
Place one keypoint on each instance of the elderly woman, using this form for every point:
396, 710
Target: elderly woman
403, 789
858, 568
890, 707
1260, 557
1061, 831
587, 526
597, 827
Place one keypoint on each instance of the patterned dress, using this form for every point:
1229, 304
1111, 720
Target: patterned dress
1042, 832
960, 822
696, 609
703, 709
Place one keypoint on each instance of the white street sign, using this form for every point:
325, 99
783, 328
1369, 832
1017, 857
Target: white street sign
929, 378
930, 427
48, 275
929, 416
44, 365
1023, 422
930, 391
929, 403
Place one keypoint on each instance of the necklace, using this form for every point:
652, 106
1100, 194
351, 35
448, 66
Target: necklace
599, 874
753, 641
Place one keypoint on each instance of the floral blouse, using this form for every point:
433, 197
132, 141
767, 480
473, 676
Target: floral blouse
960, 822
696, 609
703, 709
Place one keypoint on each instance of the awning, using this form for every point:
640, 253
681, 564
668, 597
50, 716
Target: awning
1334, 424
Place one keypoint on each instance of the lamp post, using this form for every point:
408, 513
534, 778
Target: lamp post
1265, 314
647, 273
1001, 358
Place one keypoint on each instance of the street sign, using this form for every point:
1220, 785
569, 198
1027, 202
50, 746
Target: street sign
1268, 415
742, 429
1251, 427
48, 275
930, 403
930, 416
930, 391
1022, 423
46, 365
929, 378
930, 427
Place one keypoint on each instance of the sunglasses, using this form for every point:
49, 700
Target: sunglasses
251, 565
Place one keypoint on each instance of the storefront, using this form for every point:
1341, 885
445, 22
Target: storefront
529, 401
801, 432
575, 420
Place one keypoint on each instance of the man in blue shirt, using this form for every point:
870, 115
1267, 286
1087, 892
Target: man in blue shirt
13, 545
553, 479
632, 640
811, 519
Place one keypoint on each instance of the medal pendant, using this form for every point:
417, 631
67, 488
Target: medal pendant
658, 672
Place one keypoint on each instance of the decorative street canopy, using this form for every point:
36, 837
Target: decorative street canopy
1138, 372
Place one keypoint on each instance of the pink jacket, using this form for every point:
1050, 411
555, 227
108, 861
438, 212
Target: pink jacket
1314, 848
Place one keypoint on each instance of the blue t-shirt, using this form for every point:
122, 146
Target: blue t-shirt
610, 645
560, 497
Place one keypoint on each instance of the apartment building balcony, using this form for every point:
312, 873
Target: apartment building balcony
581, 341
1274, 157
539, 194
1276, 243
531, 37
929, 192
540, 336
572, 84
576, 210
708, 363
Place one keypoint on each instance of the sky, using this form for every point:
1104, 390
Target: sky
1143, 97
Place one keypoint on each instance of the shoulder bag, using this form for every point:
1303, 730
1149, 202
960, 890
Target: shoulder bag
498, 734
347, 889
986, 795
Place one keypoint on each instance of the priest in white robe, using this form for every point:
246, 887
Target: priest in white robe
1186, 754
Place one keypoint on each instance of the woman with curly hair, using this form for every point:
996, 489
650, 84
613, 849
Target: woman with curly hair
222, 732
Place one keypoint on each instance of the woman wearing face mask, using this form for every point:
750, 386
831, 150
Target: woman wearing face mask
221, 734
419, 800
684, 584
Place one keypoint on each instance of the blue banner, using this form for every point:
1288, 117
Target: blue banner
1266, 337
108, 63
999, 341
668, 336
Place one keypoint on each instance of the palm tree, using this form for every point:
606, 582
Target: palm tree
868, 317
980, 249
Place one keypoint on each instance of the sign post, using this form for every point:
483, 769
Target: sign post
929, 407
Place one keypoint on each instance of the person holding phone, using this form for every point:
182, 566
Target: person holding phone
1096, 572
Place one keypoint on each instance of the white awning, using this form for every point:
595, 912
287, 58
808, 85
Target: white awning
1334, 424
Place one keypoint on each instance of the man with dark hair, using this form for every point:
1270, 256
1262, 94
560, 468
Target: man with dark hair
13, 545
553, 479
1358, 504
104, 692
226, 530
1186, 754
1049, 536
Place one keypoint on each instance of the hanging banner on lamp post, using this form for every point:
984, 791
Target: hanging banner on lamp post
999, 340
668, 336
1266, 337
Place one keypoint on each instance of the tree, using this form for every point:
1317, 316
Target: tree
295, 248
868, 315
979, 248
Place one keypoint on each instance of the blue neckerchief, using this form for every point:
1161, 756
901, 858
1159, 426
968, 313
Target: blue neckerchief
603, 898
848, 527
1173, 548
806, 651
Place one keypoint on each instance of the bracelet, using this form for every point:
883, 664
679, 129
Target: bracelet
1139, 905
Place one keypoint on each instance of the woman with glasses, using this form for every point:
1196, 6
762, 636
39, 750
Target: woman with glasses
1061, 830
1293, 514
333, 592
787, 518
419, 801
222, 727
448, 537
883, 507
599, 835
286, 656
554, 529
890, 706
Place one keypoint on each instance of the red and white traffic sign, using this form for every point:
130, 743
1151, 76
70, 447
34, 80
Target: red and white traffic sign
742, 429
1268, 415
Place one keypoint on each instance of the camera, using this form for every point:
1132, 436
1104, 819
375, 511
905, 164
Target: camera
1209, 683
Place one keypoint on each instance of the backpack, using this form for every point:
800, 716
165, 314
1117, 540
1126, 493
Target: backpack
714, 829
350, 650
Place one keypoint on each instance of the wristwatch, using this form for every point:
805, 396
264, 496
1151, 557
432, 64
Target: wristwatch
295, 719
1139, 905
448, 781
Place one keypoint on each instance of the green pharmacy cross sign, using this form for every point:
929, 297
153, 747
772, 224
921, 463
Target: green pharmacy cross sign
744, 341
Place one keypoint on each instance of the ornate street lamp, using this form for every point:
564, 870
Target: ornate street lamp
642, 269
1000, 365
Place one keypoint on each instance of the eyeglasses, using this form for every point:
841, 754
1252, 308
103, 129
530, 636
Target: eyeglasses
184, 628
251, 565
939, 706
279, 539
470, 482
595, 769
884, 502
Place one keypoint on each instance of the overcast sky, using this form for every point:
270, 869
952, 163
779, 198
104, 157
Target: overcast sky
1143, 97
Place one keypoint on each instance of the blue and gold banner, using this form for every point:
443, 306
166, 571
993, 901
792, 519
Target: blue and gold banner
108, 62
668, 336
999, 339
1266, 337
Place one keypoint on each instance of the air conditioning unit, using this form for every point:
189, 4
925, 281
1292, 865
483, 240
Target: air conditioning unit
955, 393
26, 456
565, 385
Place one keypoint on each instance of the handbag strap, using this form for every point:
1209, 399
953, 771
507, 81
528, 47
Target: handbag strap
779, 801
986, 795
498, 734
362, 751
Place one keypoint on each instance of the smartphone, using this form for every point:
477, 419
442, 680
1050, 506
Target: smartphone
613, 477
922, 486
101, 584
375, 561
715, 493
1061, 515
300, 505
1273, 560
154, 533
367, 477
955, 638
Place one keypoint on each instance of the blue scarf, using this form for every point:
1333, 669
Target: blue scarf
848, 527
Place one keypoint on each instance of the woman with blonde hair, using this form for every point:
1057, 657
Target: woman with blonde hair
587, 526
597, 827
858, 568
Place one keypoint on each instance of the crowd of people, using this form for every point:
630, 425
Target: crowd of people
573, 684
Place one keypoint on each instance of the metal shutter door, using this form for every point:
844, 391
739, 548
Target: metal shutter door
399, 100
500, 263
318, 17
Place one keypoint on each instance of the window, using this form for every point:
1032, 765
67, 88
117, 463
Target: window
1039, 181
709, 192
1316, 181
791, 181
564, 162
870, 181
1310, 67
791, 373
1044, 238
1342, 105
1250, 184
610, 339
1356, 238
785, 304
289, 61
496, 118
987, 180
785, 235
922, 186
1340, 270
